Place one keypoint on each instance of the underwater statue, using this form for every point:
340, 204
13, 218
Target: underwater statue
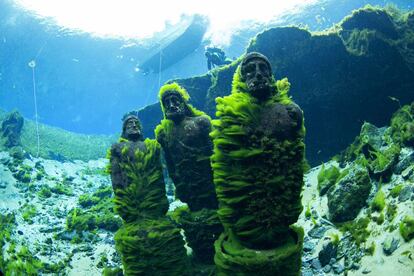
258, 173
215, 57
184, 137
148, 242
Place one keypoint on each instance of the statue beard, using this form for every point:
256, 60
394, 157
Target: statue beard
176, 115
261, 90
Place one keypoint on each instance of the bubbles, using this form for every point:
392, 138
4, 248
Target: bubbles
32, 64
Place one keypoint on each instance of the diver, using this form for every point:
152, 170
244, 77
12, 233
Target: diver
215, 57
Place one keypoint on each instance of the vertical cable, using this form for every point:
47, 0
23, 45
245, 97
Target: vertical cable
32, 64
159, 69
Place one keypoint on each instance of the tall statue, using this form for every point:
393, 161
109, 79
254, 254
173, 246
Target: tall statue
184, 137
148, 242
258, 173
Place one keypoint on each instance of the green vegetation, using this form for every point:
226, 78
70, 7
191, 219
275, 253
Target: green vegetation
145, 195
334, 239
308, 213
151, 247
44, 192
357, 229
327, 178
391, 212
407, 228
99, 213
29, 212
371, 249
395, 192
61, 189
378, 203
402, 125
7, 223
56, 143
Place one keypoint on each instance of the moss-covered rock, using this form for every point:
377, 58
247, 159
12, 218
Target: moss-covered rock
11, 128
402, 125
343, 202
407, 228
326, 178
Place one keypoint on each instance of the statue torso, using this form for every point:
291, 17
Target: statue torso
280, 121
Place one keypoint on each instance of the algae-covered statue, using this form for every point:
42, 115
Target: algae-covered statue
148, 242
184, 137
258, 173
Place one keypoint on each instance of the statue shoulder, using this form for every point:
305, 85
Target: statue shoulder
116, 149
294, 111
204, 122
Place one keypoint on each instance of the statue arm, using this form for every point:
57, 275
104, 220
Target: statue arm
206, 128
296, 114
116, 171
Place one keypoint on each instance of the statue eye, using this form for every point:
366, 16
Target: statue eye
250, 68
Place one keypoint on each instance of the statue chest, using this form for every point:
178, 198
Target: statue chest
280, 121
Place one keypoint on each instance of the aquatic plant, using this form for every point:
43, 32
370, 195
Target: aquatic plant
391, 211
29, 212
98, 213
327, 178
378, 203
395, 192
44, 192
407, 228
371, 249
402, 125
357, 228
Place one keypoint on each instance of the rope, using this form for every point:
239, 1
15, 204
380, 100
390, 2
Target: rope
32, 64
159, 69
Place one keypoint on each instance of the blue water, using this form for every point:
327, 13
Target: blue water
85, 84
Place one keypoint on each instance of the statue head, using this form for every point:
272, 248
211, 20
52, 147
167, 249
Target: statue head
174, 102
131, 128
256, 72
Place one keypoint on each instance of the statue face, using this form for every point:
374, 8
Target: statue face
174, 107
132, 129
258, 77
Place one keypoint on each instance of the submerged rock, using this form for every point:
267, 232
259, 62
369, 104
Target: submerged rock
328, 251
390, 244
349, 195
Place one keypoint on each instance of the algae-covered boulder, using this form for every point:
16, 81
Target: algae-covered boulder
402, 125
349, 195
11, 129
